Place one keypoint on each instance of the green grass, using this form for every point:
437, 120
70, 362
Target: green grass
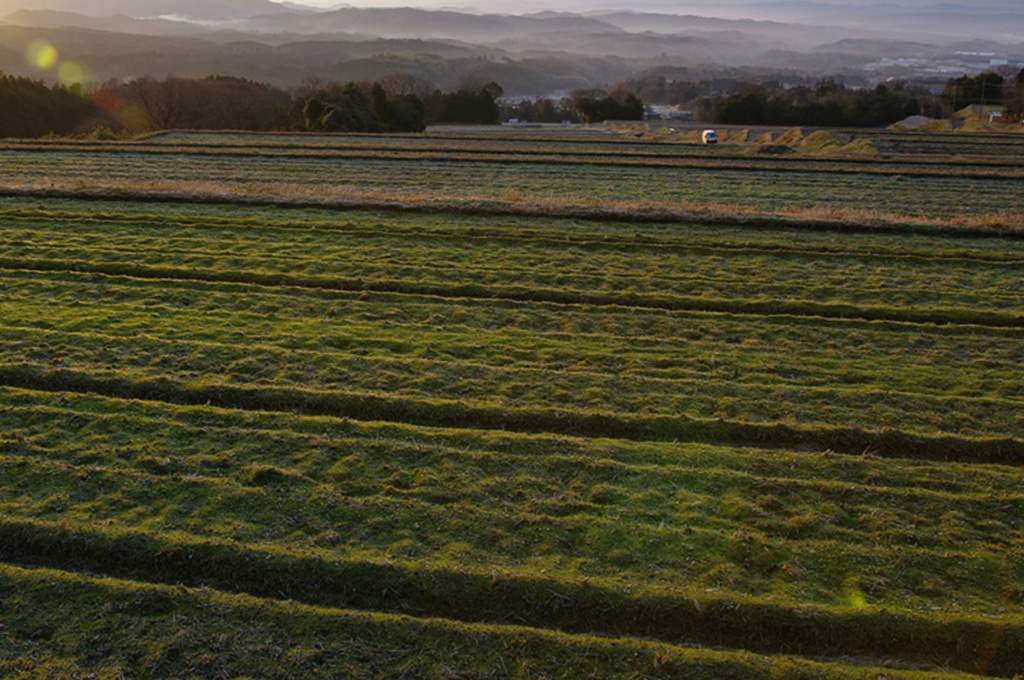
670, 515
663, 265
964, 186
64, 626
915, 334
692, 544
281, 440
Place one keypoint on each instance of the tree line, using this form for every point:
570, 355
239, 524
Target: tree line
591, 105
1014, 106
31, 108
403, 103
396, 103
827, 102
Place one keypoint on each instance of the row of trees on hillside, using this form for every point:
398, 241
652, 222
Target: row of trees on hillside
984, 88
396, 104
542, 110
677, 91
215, 103
1014, 106
592, 105
31, 108
828, 104
403, 103
597, 105
350, 108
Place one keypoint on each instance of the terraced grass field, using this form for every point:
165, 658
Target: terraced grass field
937, 177
291, 407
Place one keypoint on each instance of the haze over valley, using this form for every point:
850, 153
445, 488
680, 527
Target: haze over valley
529, 50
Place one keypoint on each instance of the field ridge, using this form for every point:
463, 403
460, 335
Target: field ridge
511, 293
224, 622
1001, 222
368, 406
499, 598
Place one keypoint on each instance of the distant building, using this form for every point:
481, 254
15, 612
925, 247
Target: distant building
667, 112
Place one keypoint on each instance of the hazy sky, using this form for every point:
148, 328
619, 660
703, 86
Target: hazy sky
701, 7
672, 6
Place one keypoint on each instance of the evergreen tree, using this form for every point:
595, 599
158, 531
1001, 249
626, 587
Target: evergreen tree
31, 109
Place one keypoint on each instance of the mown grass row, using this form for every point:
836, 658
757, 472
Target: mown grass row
941, 145
237, 222
973, 151
517, 204
263, 476
945, 195
987, 170
980, 294
60, 624
623, 363
757, 352
776, 525
666, 267
651, 343
964, 643
476, 413
528, 293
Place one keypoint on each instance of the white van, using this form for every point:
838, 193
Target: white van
709, 137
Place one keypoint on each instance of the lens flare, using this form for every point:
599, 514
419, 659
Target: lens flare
42, 54
134, 119
72, 73
107, 101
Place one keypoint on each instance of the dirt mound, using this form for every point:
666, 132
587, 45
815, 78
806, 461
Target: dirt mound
913, 123
791, 137
860, 146
821, 140
738, 137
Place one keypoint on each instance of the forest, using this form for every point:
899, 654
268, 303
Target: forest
404, 103
30, 108
828, 102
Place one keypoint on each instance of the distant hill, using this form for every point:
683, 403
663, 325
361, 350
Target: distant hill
121, 56
120, 23
193, 9
405, 22
540, 53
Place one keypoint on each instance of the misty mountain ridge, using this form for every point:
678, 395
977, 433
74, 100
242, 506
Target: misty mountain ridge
821, 24
782, 10
537, 53
143, 9
119, 23
405, 22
